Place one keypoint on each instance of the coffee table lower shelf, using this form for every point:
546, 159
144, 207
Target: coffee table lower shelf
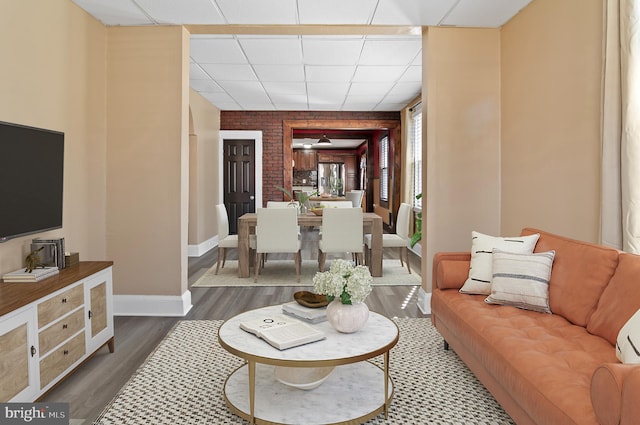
352, 394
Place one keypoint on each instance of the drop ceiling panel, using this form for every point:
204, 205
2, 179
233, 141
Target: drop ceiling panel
417, 12
228, 72
205, 86
390, 52
286, 87
489, 13
319, 73
336, 12
280, 72
270, 51
216, 50
182, 12
331, 51
197, 73
259, 11
115, 12
378, 73
376, 89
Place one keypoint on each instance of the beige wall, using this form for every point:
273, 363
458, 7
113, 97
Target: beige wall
551, 70
461, 139
203, 169
147, 157
53, 76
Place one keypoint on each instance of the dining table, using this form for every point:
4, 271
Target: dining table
371, 222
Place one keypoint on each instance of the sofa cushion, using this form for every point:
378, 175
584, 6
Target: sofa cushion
580, 273
482, 246
619, 300
521, 280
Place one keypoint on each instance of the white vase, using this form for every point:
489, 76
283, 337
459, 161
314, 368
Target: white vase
347, 318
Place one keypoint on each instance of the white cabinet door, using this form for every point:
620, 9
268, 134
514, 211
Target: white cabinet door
99, 309
19, 356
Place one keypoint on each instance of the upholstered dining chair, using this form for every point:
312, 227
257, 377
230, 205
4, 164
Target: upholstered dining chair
341, 232
355, 196
398, 240
283, 204
277, 232
225, 240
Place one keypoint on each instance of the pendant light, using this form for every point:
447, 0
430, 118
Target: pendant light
324, 140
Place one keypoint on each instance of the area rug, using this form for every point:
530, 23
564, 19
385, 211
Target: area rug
182, 381
283, 273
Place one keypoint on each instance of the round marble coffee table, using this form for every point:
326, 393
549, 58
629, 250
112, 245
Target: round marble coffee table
356, 390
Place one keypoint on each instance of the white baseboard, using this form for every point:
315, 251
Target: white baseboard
203, 247
424, 301
152, 305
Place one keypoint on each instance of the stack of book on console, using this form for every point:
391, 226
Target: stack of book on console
36, 275
308, 314
282, 331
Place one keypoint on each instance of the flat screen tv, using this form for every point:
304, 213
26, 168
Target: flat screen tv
31, 174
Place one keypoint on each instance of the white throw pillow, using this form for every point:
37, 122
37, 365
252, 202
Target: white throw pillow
521, 280
628, 342
482, 246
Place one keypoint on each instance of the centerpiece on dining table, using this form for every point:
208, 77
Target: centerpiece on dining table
346, 287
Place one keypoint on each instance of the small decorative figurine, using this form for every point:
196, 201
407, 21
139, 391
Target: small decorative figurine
33, 260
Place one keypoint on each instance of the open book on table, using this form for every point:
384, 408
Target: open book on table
282, 331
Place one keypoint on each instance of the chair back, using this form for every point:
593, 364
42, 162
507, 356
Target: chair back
402, 222
337, 204
342, 230
277, 230
283, 204
223, 221
355, 196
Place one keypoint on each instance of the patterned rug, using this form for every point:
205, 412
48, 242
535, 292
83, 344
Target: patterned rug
283, 273
181, 382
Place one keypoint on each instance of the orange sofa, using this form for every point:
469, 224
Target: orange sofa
549, 369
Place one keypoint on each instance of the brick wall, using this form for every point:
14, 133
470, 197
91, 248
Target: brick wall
270, 123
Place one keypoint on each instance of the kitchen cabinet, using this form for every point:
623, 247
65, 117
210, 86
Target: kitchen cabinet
305, 160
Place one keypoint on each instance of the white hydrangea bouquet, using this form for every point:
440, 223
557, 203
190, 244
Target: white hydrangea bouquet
351, 284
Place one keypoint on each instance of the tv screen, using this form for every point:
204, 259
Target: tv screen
31, 173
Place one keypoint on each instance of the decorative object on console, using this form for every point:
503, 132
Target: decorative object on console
521, 280
33, 261
59, 249
309, 299
482, 246
25, 276
346, 287
71, 258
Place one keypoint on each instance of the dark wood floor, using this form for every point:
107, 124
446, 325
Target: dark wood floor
98, 380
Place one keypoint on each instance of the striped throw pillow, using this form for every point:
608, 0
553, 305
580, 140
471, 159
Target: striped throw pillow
521, 280
482, 246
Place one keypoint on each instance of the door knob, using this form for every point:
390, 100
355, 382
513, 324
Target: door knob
252, 197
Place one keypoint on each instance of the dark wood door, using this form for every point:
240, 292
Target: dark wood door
239, 179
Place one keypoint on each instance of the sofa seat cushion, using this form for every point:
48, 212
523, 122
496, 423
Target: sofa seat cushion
543, 360
580, 273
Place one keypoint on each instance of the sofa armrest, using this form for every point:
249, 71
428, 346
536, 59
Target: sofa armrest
615, 391
450, 269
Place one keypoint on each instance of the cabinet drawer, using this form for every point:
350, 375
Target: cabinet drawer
60, 331
60, 305
60, 359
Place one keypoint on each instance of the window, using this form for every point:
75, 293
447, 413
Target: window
416, 151
384, 169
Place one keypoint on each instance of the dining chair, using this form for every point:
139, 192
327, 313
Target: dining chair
225, 240
355, 196
341, 232
283, 204
277, 232
400, 239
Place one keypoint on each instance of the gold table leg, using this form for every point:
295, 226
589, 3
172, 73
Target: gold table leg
386, 385
252, 391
